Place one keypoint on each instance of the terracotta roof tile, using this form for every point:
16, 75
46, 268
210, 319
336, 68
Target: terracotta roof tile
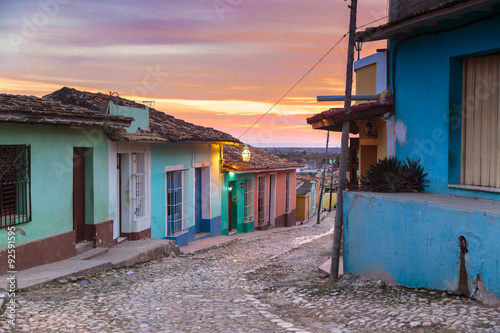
167, 126
259, 160
31, 109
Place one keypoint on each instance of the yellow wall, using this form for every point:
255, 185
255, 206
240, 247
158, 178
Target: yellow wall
381, 126
366, 80
303, 207
368, 156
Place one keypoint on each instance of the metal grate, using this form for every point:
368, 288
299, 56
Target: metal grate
176, 201
249, 206
15, 186
140, 185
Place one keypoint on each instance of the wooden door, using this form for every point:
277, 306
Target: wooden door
79, 194
197, 200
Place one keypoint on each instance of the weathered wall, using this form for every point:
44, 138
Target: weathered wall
429, 111
52, 177
189, 156
412, 239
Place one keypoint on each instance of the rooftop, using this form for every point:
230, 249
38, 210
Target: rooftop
259, 160
31, 109
161, 124
434, 18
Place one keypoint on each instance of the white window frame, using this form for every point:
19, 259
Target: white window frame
182, 219
140, 186
249, 200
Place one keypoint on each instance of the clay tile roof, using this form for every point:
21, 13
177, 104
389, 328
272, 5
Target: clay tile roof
259, 160
92, 101
162, 124
31, 109
308, 177
175, 129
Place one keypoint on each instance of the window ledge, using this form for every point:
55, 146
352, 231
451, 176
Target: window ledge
178, 233
475, 188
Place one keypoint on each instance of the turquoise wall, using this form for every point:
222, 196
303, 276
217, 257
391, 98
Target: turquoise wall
415, 243
428, 92
52, 177
141, 116
238, 221
186, 154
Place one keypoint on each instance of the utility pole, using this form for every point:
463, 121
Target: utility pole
331, 185
322, 180
339, 216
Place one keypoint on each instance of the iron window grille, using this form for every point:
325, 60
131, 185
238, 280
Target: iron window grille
176, 201
140, 195
249, 206
287, 193
15, 185
262, 202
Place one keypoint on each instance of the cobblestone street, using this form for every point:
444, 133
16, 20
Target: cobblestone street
269, 284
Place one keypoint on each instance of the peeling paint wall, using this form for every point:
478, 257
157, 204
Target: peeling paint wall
415, 243
428, 97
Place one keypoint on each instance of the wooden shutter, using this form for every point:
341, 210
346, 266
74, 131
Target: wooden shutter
481, 121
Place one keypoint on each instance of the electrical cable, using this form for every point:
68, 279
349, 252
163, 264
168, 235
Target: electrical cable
296, 83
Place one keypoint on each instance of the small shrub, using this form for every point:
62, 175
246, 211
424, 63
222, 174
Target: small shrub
389, 175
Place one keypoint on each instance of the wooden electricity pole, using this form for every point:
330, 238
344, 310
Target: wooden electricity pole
344, 147
318, 220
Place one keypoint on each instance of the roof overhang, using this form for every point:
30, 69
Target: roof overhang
73, 120
445, 16
225, 169
333, 119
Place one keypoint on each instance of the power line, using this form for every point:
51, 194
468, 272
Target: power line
316, 64
296, 83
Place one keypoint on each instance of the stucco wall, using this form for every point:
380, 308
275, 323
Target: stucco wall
52, 176
189, 156
428, 111
415, 243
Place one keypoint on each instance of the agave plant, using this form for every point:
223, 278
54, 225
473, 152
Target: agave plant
389, 175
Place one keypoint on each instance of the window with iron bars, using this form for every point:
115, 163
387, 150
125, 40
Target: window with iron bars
15, 185
262, 203
288, 193
176, 201
249, 207
140, 195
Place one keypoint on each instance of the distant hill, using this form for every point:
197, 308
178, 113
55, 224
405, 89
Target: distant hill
308, 150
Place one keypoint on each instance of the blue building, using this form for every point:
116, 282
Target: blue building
444, 74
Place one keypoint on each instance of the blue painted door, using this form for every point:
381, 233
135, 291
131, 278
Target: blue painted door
197, 200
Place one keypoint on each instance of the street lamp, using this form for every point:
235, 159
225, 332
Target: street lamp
245, 154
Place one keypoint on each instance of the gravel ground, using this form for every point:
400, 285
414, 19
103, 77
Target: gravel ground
269, 284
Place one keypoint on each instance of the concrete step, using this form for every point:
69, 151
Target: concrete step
201, 235
83, 247
324, 269
90, 254
121, 239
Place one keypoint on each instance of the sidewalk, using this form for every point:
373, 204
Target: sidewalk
126, 254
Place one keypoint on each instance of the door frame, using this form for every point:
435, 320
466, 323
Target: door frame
272, 197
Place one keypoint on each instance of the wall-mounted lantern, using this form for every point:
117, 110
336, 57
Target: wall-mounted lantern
242, 185
230, 187
245, 154
371, 132
357, 46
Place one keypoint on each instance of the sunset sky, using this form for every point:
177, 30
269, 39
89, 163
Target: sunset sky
217, 63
